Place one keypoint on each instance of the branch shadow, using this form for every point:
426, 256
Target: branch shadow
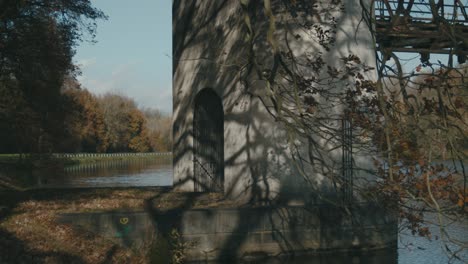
214, 53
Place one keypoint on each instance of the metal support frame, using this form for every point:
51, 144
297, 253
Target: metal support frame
422, 26
347, 143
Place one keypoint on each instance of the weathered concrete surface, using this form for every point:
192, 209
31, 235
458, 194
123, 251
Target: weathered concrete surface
209, 51
130, 228
216, 234
385, 256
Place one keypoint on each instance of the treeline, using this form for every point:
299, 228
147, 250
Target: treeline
111, 123
42, 107
84, 122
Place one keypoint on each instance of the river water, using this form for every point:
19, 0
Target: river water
158, 172
112, 173
414, 249
129, 173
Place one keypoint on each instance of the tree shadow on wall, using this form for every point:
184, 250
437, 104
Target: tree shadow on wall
210, 51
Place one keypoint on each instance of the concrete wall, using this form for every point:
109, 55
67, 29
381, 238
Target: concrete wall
130, 228
215, 234
209, 51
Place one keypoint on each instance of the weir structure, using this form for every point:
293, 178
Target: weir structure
226, 139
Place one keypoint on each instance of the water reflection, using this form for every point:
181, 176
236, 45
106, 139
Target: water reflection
415, 249
112, 173
121, 174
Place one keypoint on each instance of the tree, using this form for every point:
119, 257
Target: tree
115, 109
159, 129
125, 125
84, 121
37, 43
139, 141
424, 120
396, 126
19, 123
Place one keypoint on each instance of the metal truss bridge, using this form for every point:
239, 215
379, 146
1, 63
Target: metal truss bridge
422, 26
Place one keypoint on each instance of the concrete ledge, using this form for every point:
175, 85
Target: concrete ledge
130, 228
216, 233
269, 231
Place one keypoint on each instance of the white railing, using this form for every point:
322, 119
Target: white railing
108, 155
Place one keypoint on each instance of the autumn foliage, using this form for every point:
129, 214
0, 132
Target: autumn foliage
107, 123
84, 123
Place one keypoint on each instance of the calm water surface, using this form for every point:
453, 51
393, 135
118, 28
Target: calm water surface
421, 250
126, 173
129, 173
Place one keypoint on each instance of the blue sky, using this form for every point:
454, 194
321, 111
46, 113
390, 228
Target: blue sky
133, 53
132, 56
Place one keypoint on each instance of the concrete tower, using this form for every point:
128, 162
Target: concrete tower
225, 139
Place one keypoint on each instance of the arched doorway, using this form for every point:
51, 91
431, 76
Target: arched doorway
208, 128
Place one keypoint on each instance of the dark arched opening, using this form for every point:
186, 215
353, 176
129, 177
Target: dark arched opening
208, 128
